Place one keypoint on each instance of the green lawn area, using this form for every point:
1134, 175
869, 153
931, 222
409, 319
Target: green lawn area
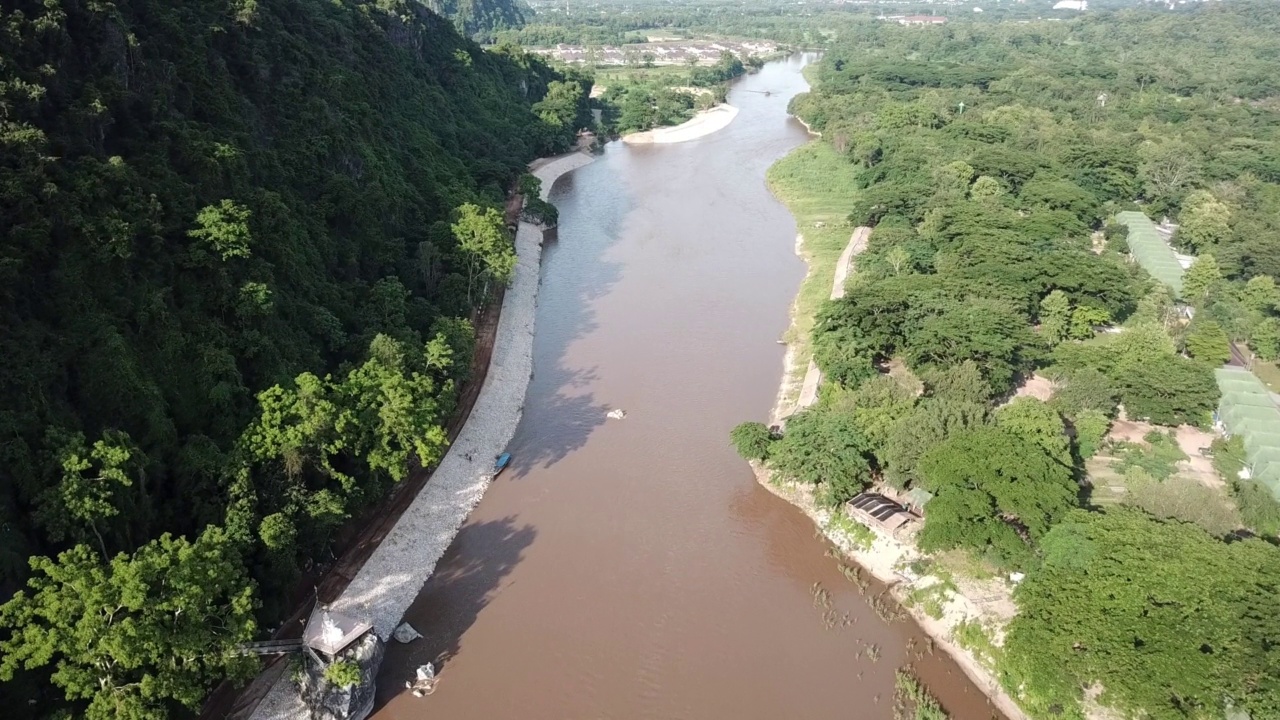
810, 73
607, 75
817, 185
1268, 373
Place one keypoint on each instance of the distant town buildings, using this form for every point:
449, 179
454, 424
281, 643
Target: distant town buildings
916, 19
684, 52
1071, 5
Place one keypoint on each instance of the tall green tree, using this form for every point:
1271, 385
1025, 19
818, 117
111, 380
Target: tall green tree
988, 332
1036, 421
1168, 390
84, 500
140, 636
1055, 317
932, 422
1085, 319
1205, 222
1265, 339
826, 449
1201, 280
1170, 622
1207, 342
485, 244
993, 491
1261, 294
225, 227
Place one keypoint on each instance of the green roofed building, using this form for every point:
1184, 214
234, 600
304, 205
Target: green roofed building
1247, 409
1150, 250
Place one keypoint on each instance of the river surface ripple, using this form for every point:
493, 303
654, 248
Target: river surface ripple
634, 569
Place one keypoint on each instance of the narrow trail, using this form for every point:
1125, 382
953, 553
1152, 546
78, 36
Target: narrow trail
813, 377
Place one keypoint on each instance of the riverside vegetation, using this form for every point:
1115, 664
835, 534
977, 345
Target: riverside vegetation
643, 97
242, 246
988, 158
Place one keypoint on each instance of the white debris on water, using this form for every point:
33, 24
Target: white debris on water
616, 414
394, 575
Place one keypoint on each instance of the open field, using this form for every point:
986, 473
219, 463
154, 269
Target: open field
1268, 373
614, 74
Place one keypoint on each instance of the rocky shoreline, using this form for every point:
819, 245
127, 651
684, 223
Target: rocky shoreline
393, 576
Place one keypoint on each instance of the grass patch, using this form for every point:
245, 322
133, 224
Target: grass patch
973, 636
966, 564
911, 701
1268, 373
610, 75
810, 73
846, 528
1186, 499
817, 186
931, 598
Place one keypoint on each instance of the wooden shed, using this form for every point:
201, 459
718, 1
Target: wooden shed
879, 511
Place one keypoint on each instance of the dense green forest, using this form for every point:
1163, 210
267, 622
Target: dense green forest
482, 18
801, 24
989, 158
241, 245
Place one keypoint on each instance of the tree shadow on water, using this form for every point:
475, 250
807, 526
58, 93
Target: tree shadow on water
560, 411
556, 422
465, 580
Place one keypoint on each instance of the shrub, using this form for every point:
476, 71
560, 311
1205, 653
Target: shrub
752, 440
1185, 499
343, 674
1091, 427
1258, 507
821, 446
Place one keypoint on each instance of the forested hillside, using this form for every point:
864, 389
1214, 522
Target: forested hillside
240, 244
484, 17
989, 160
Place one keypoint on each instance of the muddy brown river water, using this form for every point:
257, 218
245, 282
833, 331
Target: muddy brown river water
633, 569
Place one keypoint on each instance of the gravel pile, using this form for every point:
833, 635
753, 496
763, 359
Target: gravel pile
394, 575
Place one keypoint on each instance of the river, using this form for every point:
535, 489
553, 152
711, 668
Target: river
633, 568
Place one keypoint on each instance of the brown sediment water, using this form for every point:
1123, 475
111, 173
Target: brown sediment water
634, 568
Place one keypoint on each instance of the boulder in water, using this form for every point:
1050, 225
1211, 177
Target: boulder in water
405, 633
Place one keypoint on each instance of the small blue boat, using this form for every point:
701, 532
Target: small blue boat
503, 460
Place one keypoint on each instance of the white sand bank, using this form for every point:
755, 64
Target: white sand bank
394, 575
702, 124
